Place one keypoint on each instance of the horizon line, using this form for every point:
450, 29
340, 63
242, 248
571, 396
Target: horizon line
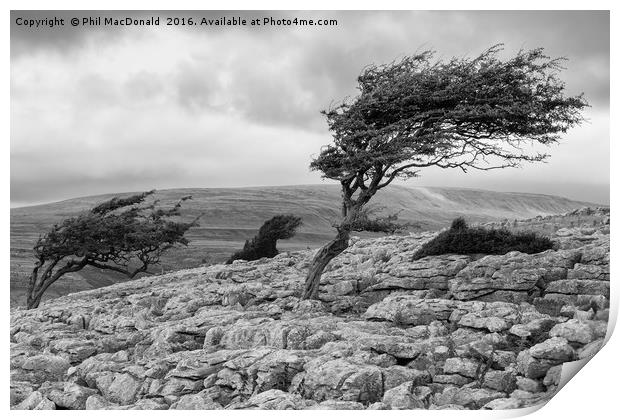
19, 204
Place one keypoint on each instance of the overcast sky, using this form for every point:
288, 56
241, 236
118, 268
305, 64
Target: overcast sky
113, 109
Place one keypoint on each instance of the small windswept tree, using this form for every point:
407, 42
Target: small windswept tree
467, 113
263, 245
122, 235
368, 220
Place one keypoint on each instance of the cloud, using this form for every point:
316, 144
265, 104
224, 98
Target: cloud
157, 150
101, 109
577, 168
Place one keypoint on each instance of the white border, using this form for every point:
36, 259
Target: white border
592, 394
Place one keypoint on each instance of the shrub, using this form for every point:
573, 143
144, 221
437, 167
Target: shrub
264, 243
462, 239
368, 220
458, 224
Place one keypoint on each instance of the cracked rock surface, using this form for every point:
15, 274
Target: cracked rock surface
443, 332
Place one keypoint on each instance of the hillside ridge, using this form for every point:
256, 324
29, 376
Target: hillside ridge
232, 215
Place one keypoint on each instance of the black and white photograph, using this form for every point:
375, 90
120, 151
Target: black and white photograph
307, 209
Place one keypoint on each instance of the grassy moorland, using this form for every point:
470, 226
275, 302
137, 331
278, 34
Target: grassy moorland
232, 215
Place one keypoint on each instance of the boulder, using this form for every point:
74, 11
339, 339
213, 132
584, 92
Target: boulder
395, 375
120, 388
533, 330
343, 380
273, 399
75, 350
500, 380
423, 274
408, 310
35, 401
69, 395
47, 367
402, 398
582, 332
199, 401
454, 379
556, 349
513, 272
464, 367
579, 287
337, 405
482, 321
589, 272
19, 391
530, 367
553, 376
528, 385
507, 404
467, 397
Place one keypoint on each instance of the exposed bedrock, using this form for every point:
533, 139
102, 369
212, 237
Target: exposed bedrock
451, 331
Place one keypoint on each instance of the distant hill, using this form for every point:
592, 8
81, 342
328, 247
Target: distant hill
232, 215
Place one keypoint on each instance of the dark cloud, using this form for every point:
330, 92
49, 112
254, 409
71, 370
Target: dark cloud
27, 40
65, 38
324, 68
338, 54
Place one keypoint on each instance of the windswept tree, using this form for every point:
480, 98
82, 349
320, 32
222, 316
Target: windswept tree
124, 235
468, 113
283, 226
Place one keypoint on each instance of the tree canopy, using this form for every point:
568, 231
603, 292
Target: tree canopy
478, 113
122, 234
283, 226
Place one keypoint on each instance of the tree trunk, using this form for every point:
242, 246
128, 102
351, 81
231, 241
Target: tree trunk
35, 295
33, 302
272, 251
33, 298
330, 251
321, 259
38, 285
